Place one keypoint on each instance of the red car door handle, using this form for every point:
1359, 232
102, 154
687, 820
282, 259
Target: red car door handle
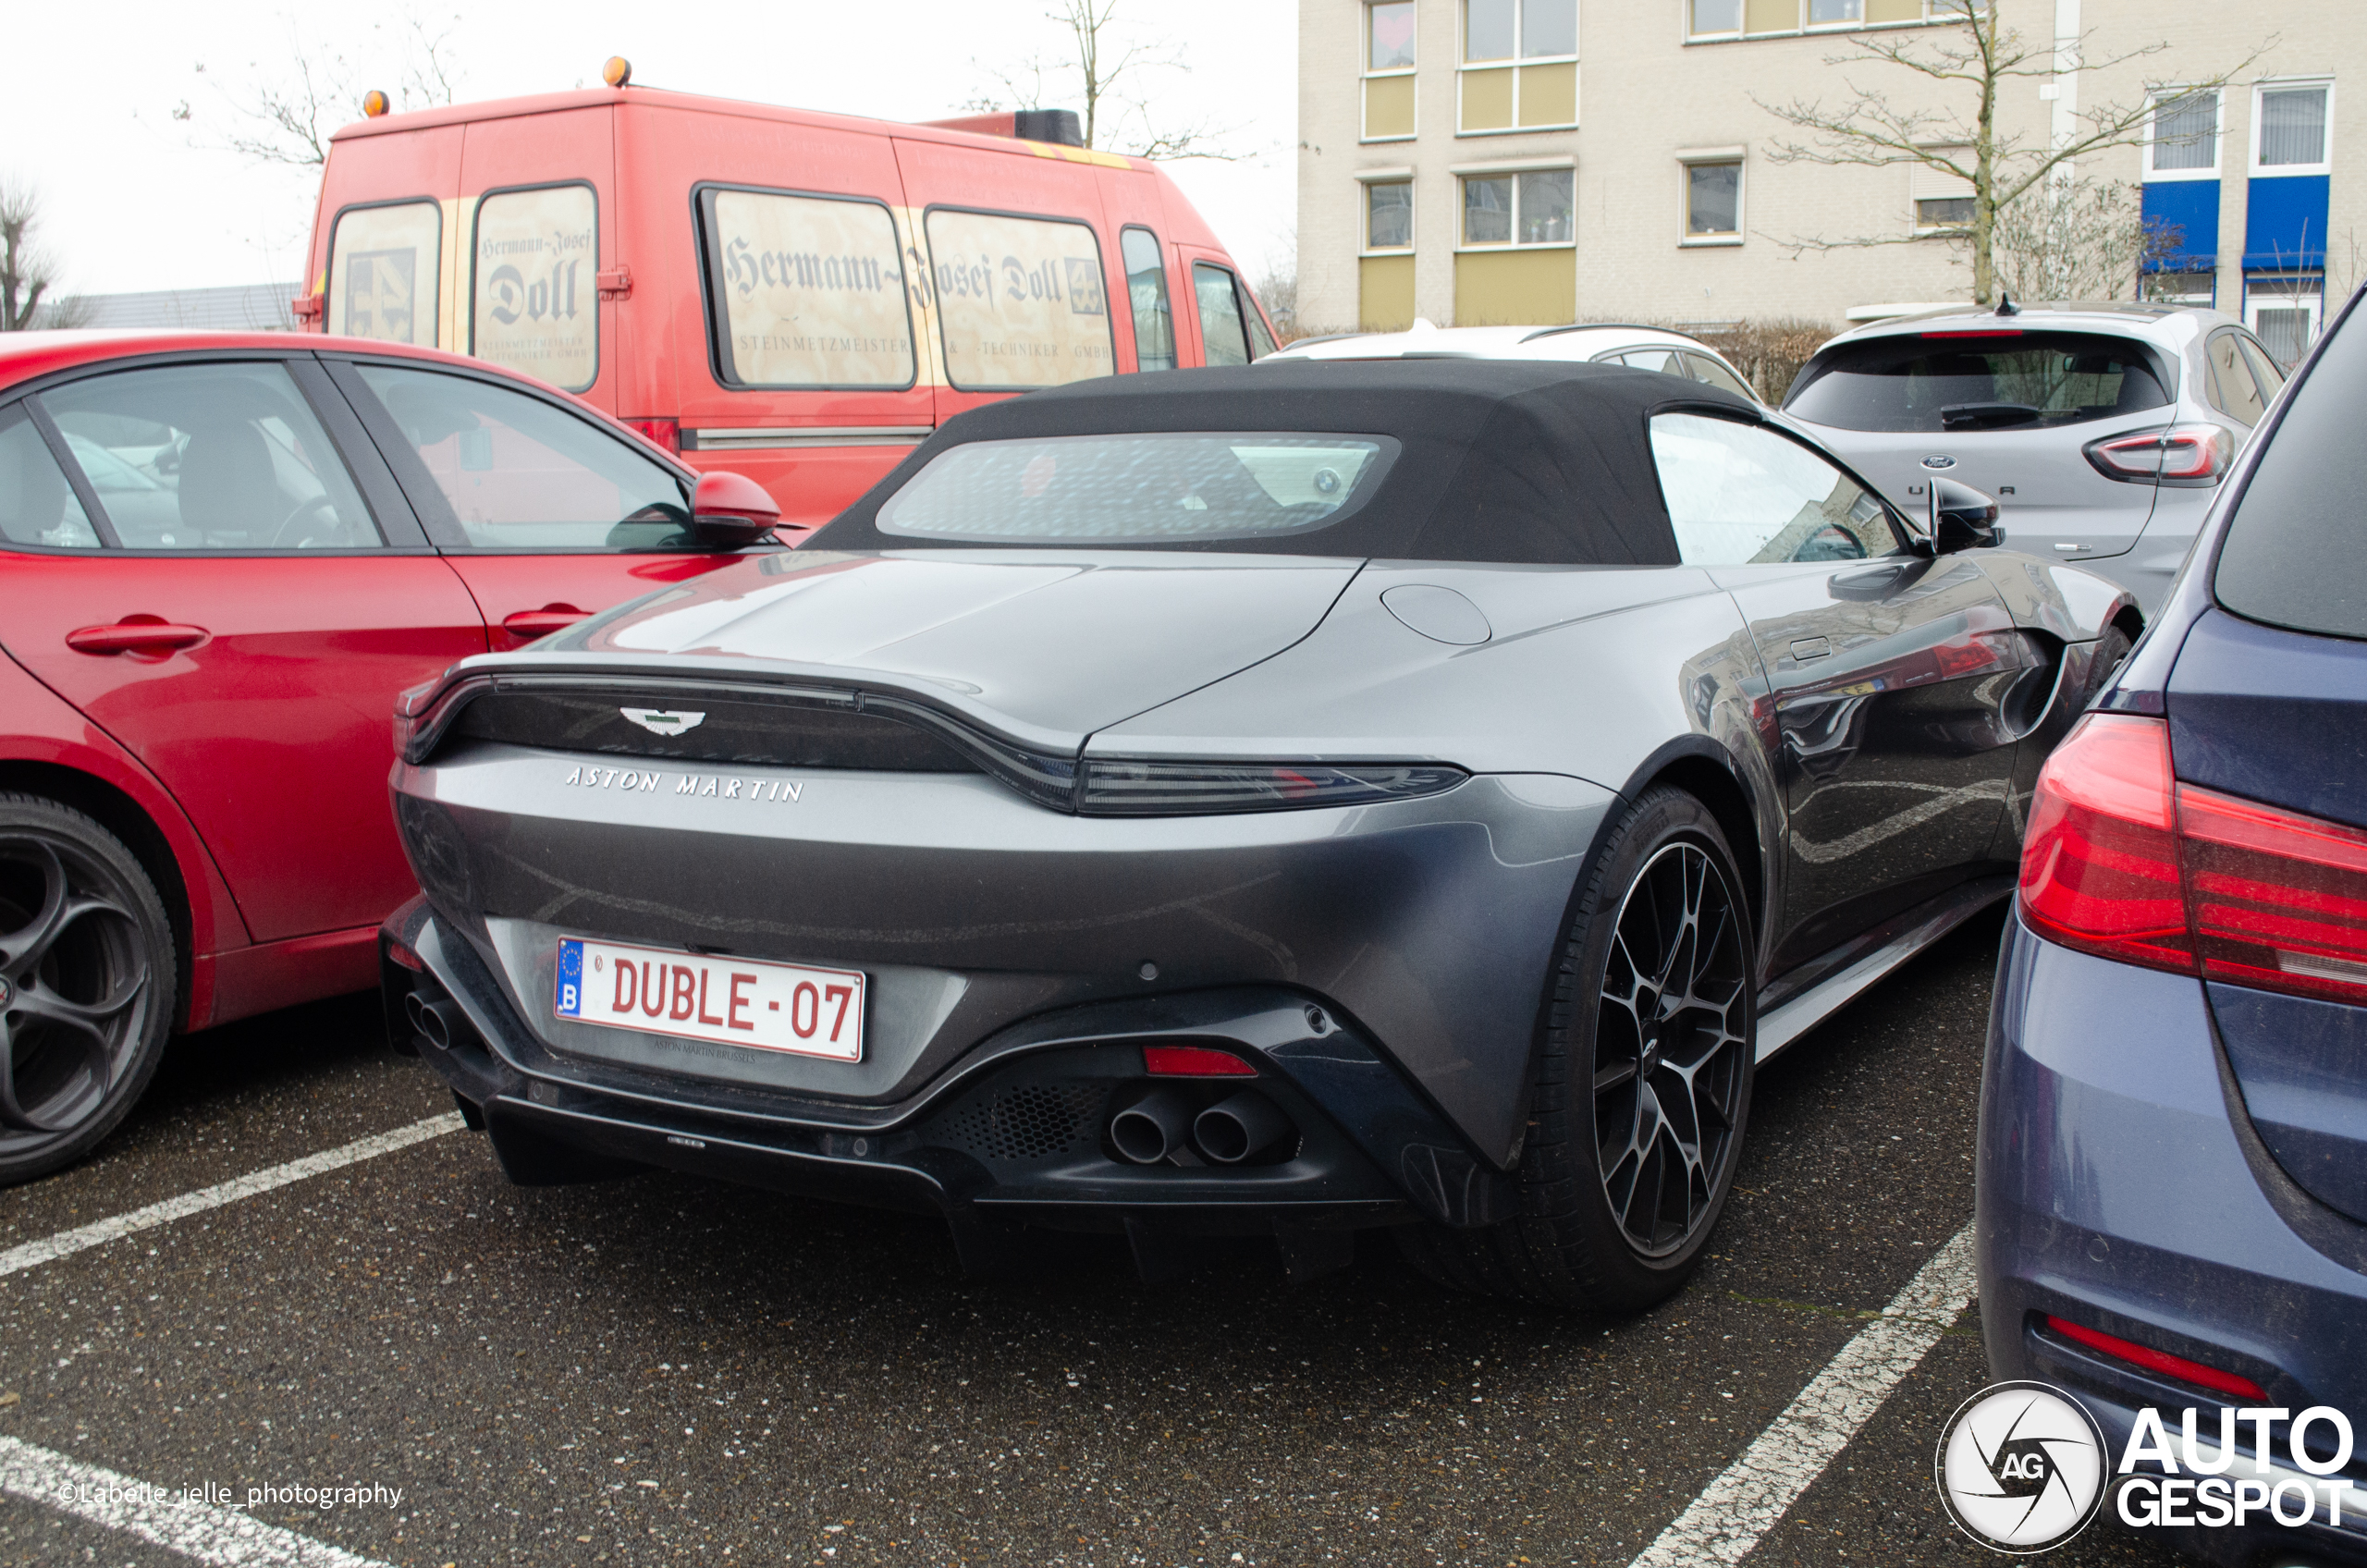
529, 624
135, 636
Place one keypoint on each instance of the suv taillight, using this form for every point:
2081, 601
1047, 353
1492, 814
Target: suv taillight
2189, 456
2123, 860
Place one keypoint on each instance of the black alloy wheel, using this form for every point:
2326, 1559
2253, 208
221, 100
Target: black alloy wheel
86, 984
1671, 1049
1642, 1083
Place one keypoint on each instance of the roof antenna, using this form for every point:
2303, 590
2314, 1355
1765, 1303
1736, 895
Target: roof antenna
2006, 306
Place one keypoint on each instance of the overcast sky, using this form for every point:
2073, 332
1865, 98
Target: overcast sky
134, 198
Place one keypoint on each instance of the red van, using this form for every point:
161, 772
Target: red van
798, 296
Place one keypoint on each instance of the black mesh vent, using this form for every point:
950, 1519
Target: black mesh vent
1030, 1122
700, 728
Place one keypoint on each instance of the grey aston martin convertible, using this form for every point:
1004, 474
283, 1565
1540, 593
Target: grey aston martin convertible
1288, 799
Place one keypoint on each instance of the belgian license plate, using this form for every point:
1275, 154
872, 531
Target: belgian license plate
731, 1001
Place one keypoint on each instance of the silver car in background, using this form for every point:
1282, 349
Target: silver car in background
1654, 348
2102, 429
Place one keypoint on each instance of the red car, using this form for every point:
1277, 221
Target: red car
224, 555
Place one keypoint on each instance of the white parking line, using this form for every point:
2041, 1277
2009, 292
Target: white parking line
158, 1514
1743, 1503
68, 1241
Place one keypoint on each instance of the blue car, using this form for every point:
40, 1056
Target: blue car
2173, 1165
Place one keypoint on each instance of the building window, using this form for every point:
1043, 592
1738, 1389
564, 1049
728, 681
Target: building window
1389, 36
2182, 141
1713, 201
2284, 312
1944, 211
1520, 68
2182, 287
1715, 18
1526, 207
2292, 135
1389, 215
1942, 200
1836, 13
1389, 70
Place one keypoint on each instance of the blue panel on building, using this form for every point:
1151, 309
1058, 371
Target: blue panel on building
2285, 224
2191, 208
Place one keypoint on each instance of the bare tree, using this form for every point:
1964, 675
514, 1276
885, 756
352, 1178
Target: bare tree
1968, 61
27, 270
1111, 74
2077, 240
288, 114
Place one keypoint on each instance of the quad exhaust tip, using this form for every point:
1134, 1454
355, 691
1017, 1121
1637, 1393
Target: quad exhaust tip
1154, 1127
440, 1022
1241, 1128
1162, 1124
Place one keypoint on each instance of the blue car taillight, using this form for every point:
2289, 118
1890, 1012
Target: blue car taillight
2123, 860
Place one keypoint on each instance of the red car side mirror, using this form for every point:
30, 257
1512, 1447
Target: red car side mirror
729, 510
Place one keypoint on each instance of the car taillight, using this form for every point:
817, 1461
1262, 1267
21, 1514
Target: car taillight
2123, 860
663, 433
2188, 455
1118, 787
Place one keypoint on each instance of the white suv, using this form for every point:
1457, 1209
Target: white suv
1639, 348
2101, 430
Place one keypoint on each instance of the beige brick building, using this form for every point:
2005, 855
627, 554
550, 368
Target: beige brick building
1474, 161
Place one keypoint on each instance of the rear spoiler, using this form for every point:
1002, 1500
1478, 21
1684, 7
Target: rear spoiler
1059, 127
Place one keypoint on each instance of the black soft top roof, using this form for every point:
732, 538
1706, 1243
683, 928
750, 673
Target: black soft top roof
1516, 460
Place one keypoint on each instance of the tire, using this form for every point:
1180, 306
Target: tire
87, 981
2112, 652
1600, 1225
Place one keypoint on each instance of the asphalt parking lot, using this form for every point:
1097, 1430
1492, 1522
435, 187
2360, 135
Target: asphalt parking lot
662, 1369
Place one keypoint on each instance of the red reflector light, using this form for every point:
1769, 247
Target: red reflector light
1194, 1061
2122, 860
2162, 1361
1984, 332
405, 957
663, 433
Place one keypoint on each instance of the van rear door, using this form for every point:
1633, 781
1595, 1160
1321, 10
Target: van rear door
538, 223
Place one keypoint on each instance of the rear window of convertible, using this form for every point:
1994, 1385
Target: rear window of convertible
1141, 487
1978, 380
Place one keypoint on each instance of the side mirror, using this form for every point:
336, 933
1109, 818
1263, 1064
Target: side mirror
1962, 518
729, 510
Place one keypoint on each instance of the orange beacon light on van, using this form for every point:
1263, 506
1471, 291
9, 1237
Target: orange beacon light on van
799, 297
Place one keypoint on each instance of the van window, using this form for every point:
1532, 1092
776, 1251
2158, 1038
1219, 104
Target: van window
1019, 301
1147, 287
514, 472
805, 290
383, 265
1225, 341
537, 306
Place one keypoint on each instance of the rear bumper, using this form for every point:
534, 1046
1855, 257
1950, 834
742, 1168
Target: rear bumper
1430, 924
2121, 1187
1014, 1132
